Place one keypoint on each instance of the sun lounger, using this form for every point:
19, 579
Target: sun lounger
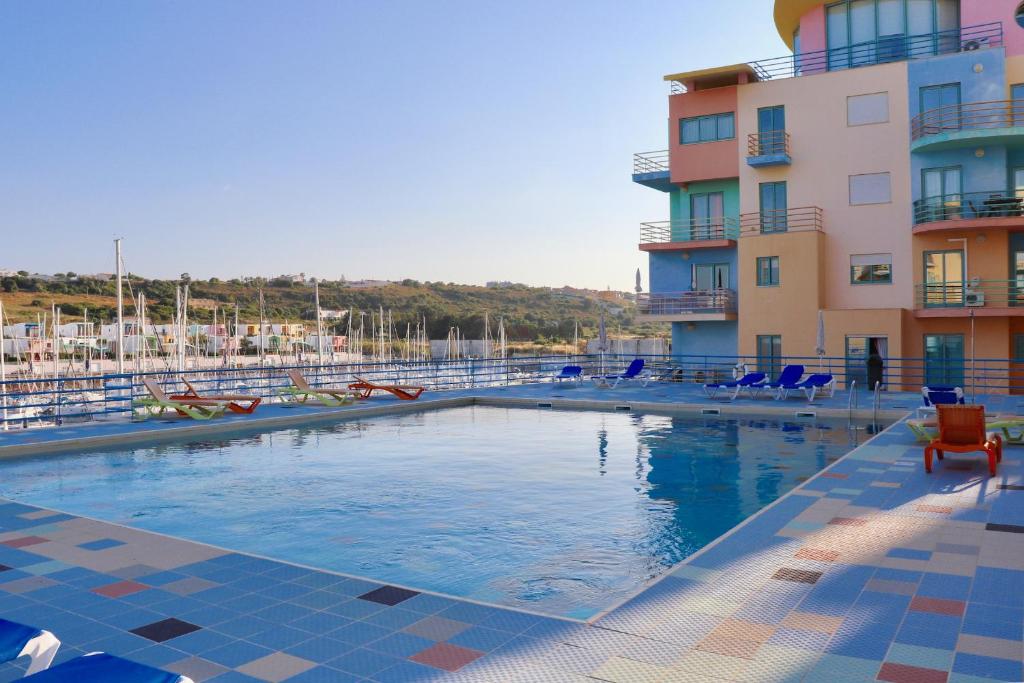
18, 640
814, 384
572, 373
404, 392
236, 403
633, 372
99, 667
197, 408
962, 429
748, 380
301, 392
790, 374
944, 395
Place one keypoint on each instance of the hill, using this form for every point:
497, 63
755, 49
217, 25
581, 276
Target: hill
536, 314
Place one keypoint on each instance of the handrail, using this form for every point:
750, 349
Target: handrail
973, 293
693, 301
768, 221
767, 142
992, 114
689, 230
955, 206
650, 162
882, 50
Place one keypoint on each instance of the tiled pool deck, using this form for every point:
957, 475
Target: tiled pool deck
872, 570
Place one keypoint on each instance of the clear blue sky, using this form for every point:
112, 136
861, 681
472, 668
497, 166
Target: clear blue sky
456, 140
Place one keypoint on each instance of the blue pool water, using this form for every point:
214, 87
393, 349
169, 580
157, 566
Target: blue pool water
560, 512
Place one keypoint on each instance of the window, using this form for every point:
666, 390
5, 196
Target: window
771, 130
1018, 348
940, 108
767, 271
944, 359
773, 201
769, 354
862, 110
863, 32
870, 188
943, 278
708, 276
1017, 95
707, 215
1018, 15
941, 195
873, 269
707, 128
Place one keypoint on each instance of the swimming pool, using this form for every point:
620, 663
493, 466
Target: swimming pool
560, 512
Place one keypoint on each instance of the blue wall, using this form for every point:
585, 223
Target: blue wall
711, 338
988, 173
670, 272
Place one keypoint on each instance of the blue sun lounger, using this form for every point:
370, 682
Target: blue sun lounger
573, 373
813, 385
748, 380
790, 374
99, 667
19, 640
632, 372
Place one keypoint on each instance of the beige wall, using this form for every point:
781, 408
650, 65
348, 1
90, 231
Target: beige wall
825, 152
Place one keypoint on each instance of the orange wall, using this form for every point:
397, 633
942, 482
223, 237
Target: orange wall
705, 160
986, 252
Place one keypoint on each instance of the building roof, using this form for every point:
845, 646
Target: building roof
719, 75
787, 16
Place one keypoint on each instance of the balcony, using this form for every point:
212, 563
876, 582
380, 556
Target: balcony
696, 233
967, 125
895, 48
776, 221
769, 148
651, 170
691, 306
981, 298
994, 209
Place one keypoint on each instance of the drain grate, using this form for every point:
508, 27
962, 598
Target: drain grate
710, 411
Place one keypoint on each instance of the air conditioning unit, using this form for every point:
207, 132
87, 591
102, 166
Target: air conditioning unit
973, 297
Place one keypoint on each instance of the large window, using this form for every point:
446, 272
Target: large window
940, 108
708, 276
944, 360
872, 31
871, 269
767, 271
774, 207
769, 354
944, 278
707, 215
941, 195
707, 128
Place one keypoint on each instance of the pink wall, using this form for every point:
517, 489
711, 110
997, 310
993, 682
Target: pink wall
974, 12
812, 30
707, 160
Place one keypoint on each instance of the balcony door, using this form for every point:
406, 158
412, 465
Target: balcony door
707, 216
941, 192
944, 360
773, 207
771, 130
940, 108
1017, 282
709, 276
943, 278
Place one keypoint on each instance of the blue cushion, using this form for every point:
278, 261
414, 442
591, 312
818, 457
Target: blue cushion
102, 668
13, 637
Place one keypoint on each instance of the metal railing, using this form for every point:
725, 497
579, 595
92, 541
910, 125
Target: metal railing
689, 230
770, 221
995, 114
971, 294
968, 206
682, 303
650, 162
882, 50
40, 401
768, 142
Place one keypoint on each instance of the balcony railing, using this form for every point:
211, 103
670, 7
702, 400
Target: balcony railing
770, 221
894, 48
968, 206
650, 162
692, 230
972, 294
768, 143
683, 303
991, 115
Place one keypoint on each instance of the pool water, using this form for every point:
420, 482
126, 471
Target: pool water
560, 512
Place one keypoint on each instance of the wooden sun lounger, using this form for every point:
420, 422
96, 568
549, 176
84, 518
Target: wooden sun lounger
196, 408
237, 403
302, 391
404, 392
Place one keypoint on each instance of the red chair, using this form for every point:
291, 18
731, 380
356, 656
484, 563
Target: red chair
962, 430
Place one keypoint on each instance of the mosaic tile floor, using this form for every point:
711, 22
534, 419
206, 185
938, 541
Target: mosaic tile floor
872, 570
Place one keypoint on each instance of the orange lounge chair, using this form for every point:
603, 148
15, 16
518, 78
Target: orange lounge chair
962, 430
404, 392
235, 401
